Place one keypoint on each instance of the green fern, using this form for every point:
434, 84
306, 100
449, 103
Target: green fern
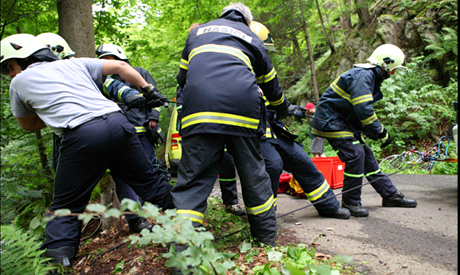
20, 253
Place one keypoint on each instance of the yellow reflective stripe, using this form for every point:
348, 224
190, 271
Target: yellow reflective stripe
183, 64
355, 142
261, 208
339, 90
190, 214
140, 129
372, 173
275, 202
157, 108
266, 78
361, 99
353, 175
221, 49
221, 179
220, 118
278, 102
120, 92
338, 134
106, 85
318, 192
369, 120
269, 134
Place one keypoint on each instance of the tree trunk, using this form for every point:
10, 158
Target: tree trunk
108, 197
297, 62
345, 20
76, 26
44, 161
328, 41
310, 53
363, 13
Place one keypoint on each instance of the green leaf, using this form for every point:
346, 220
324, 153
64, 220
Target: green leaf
35, 222
119, 267
62, 212
96, 207
245, 246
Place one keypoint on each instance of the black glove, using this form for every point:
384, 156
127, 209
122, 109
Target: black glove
385, 137
153, 97
135, 101
297, 111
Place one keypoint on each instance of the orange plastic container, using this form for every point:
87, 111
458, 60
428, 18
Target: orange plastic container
332, 170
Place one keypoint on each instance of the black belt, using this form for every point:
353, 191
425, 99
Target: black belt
104, 116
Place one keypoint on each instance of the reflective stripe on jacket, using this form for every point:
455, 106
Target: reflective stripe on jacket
222, 64
346, 106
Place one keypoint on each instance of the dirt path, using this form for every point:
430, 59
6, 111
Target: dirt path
423, 240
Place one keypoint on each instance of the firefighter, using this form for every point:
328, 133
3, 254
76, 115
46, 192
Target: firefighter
147, 128
282, 152
96, 136
345, 113
222, 64
62, 50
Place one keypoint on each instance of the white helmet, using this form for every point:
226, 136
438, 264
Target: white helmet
19, 45
388, 57
57, 45
111, 49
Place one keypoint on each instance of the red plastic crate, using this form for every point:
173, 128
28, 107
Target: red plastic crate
332, 170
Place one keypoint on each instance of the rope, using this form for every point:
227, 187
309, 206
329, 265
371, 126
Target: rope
311, 204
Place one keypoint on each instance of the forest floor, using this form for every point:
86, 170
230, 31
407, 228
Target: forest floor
105, 252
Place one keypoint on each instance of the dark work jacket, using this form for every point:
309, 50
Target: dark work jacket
276, 129
345, 108
222, 64
135, 116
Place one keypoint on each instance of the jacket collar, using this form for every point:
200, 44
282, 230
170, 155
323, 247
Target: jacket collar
234, 15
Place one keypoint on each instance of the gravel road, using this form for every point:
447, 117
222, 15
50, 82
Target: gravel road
421, 240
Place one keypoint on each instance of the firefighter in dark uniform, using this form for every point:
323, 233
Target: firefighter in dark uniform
281, 151
222, 64
144, 121
227, 173
345, 113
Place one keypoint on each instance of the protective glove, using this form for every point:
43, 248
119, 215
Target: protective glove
136, 101
385, 137
153, 97
297, 111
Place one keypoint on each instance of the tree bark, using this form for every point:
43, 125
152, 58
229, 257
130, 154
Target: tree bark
310, 53
44, 160
345, 20
363, 13
108, 197
76, 26
328, 40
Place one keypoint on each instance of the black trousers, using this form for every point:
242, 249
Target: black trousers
360, 162
87, 151
282, 153
201, 161
227, 180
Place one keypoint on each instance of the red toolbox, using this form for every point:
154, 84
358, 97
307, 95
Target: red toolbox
332, 169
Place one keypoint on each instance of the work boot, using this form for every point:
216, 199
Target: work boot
235, 209
136, 225
356, 210
61, 257
398, 200
341, 213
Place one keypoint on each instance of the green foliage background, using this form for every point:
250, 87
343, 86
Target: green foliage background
153, 33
